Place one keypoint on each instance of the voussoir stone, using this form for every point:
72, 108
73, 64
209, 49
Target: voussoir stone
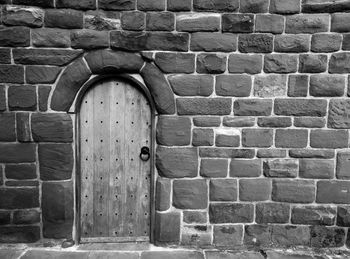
339, 114
190, 194
23, 16
52, 127
174, 131
177, 162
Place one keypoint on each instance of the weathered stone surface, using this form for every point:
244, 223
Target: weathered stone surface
172, 254
274, 122
22, 98
27, 183
17, 153
156, 5
245, 168
11, 74
312, 215
149, 41
133, 20
284, 6
52, 127
226, 152
226, 236
315, 6
190, 194
19, 198
339, 63
255, 43
271, 85
233, 85
26, 217
223, 190
271, 153
7, 127
203, 106
117, 5
339, 114
192, 85
327, 236
312, 63
231, 213
24, 234
203, 137
238, 23
254, 189
43, 95
307, 23
198, 236
22, 16
276, 255
311, 153
242, 63
63, 18
5, 56
327, 85
333, 192
300, 107
292, 43
229, 254
309, 122
163, 189
5, 218
101, 22
293, 191
288, 235
206, 121
57, 209
20, 171
193, 216
227, 140
343, 165
163, 21
346, 43
329, 139
284, 168
159, 88
47, 37
232, 121
257, 235
343, 216
257, 137
89, 39
76, 4
254, 6
316, 168
272, 213
291, 138
280, 63
211, 63
14, 37
209, 42
177, 162
340, 22
194, 22
252, 107
175, 62
41, 74
213, 168
56, 161
53, 57
216, 5
168, 227
42, 3
321, 42
269, 23
173, 131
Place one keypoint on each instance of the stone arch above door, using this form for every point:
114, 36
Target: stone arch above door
101, 62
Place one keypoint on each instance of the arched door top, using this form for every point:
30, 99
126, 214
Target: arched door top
102, 62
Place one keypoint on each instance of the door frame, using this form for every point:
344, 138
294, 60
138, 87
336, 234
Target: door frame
85, 88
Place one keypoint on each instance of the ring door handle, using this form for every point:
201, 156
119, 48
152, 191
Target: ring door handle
145, 155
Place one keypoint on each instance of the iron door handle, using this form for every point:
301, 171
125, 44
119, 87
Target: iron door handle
145, 155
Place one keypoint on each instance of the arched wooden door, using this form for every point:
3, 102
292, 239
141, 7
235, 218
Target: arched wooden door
115, 124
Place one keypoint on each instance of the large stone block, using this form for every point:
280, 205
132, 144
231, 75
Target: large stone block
177, 162
257, 137
309, 122
23, 234
243, 63
339, 114
197, 236
288, 235
325, 42
48, 37
293, 191
333, 192
227, 236
41, 74
291, 138
22, 16
339, 22
22, 97
343, 216
175, 62
281, 168
26, 217
272, 85
245, 168
339, 63
323, 237
233, 85
163, 191
307, 23
312, 63
118, 5
285, 6
194, 216
343, 165
326, 6
272, 213
226, 152
17, 153
269, 23
63, 18
52, 127
255, 43
192, 85
238, 23
329, 138
19, 198
203, 106
203, 137
252, 107
11, 74
274, 122
316, 168
312, 153
312, 215
232, 121
89, 39
254, 189
190, 194
20, 171
162, 21
211, 63
223, 190
133, 20
173, 131
300, 107
7, 127
15, 36
280, 63
57, 209
292, 43
216, 5
231, 213
194, 22
76, 4
213, 42
327, 85
213, 168
167, 228
257, 235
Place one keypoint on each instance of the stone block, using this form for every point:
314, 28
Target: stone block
257, 235
193, 216
257, 137
231, 213
223, 190
213, 168
53, 127
314, 6
89, 39
209, 42
133, 20
271, 85
307, 23
271, 153
192, 85
291, 138
203, 137
7, 127
280, 63
20, 171
327, 85
226, 153
225, 140
329, 138
227, 236
156, 5
216, 5
76, 4
49, 37
233, 254
42, 3
243, 63
19, 198
245, 168
190, 194
26, 217
254, 6
171, 255
211, 63
292, 43
325, 42
233, 85
168, 227
179, 5
197, 236
173, 131
14, 36
206, 121
310, 63
63, 18
288, 235
43, 97
312, 215
322, 237
175, 62
22, 98
163, 21
339, 63
102, 21
274, 122
238, 23
293, 191
316, 168
285, 6
269, 23
194, 22
338, 114
309, 122
255, 43
343, 216
57, 209
232, 121
281, 168
300, 107
11, 74
333, 192
346, 44
22, 16
41, 74
340, 22
203, 106
177, 162
163, 189
117, 5
272, 213
22, 234
17, 153
312, 153
5, 217
254, 189
5, 56
252, 107
343, 165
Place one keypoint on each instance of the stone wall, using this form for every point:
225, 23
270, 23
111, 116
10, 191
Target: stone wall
252, 139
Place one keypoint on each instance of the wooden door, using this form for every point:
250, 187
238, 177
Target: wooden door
115, 123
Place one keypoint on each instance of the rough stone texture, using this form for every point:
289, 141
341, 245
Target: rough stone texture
231, 121
329, 138
26, 217
254, 6
207, 121
307, 23
199, 236
7, 127
191, 217
300, 107
48, 37
164, 21
20, 171
325, 42
281, 168
43, 95
5, 56
338, 114
57, 209
133, 21
203, 106
257, 137
22, 16
327, 85
192, 85
271, 153
226, 236
101, 21
254, 189
226, 140
257, 235
284, 6
269, 23
203, 137
23, 234
190, 194
238, 23
339, 22
343, 216
63, 18
168, 227
163, 189
288, 235
195, 22
211, 63
177, 162
240, 63
175, 62
343, 163
231, 213
272, 213
293, 191
52, 127
173, 131
14, 36
117, 5
339, 63
309, 122
271, 85
216, 5
291, 43
223, 190
312, 63
81, 4
327, 237
233, 85
19, 198
333, 192
213, 168
311, 215
22, 98
17, 153
245, 168
41, 74
11, 74
89, 39
209, 42
275, 122
280, 63
255, 43
315, 6
316, 168
252, 107
291, 138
